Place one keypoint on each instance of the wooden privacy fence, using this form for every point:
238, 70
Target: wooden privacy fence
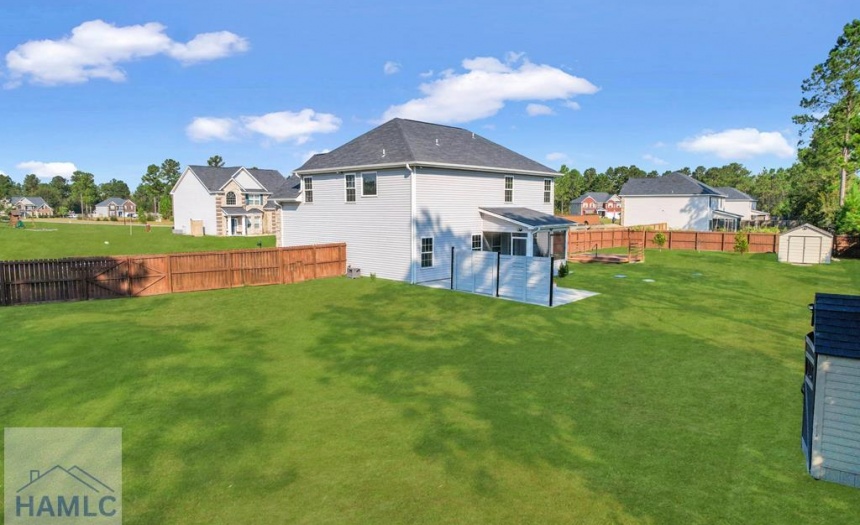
582, 241
74, 279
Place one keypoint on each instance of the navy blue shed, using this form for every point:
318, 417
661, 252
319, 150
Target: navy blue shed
830, 435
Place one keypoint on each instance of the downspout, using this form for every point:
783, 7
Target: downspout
413, 204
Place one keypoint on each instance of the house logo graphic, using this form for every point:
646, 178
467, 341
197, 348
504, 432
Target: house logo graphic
64, 493
62, 476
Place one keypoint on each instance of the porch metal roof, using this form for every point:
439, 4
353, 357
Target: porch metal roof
528, 218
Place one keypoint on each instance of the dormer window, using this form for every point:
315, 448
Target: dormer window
231, 198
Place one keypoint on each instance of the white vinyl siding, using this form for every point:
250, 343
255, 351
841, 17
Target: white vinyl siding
448, 202
376, 231
684, 212
192, 201
743, 208
247, 182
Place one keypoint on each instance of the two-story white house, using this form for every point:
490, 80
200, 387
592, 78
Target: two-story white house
742, 204
406, 193
679, 201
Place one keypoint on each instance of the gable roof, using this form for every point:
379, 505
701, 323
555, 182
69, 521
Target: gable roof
807, 226
675, 183
599, 196
112, 200
215, 178
401, 141
733, 194
836, 320
36, 201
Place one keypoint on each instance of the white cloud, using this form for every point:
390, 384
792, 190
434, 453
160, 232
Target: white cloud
556, 156
279, 126
485, 87
298, 127
426, 74
208, 46
539, 109
654, 160
391, 67
739, 144
203, 129
48, 170
95, 49
659, 144
570, 104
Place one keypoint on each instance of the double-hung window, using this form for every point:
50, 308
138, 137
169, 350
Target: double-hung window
254, 199
427, 252
308, 182
476, 243
547, 191
350, 187
509, 189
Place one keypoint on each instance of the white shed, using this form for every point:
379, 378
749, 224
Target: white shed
805, 245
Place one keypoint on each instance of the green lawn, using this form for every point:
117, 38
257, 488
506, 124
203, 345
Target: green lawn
341, 401
46, 239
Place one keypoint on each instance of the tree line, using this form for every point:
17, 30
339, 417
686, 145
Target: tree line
80, 193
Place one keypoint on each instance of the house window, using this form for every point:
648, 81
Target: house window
309, 188
368, 184
350, 187
476, 243
231, 198
547, 191
254, 199
509, 189
427, 252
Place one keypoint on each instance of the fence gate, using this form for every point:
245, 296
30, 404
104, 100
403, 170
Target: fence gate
516, 277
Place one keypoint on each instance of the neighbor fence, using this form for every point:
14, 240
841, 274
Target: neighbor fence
589, 240
518, 277
83, 278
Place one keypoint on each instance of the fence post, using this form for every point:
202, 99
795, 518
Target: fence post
169, 274
498, 270
3, 300
697, 240
315, 261
452, 267
551, 271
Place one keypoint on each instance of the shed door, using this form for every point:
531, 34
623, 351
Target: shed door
811, 250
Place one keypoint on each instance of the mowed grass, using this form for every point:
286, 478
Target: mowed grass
341, 401
51, 239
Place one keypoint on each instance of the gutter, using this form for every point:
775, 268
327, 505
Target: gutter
339, 169
413, 205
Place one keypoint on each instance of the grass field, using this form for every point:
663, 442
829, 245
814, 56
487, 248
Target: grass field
340, 401
51, 239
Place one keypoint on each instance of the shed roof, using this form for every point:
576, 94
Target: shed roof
529, 218
401, 141
675, 183
836, 320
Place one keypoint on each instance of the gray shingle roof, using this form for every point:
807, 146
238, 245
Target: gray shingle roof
37, 201
734, 194
529, 217
289, 189
670, 184
115, 200
410, 141
214, 178
599, 196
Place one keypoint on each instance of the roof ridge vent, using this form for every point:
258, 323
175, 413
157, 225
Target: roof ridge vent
437, 142
383, 153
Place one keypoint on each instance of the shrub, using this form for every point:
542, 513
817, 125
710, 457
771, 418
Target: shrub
113, 218
742, 244
660, 239
563, 269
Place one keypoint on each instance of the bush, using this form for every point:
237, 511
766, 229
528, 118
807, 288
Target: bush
660, 239
742, 244
113, 218
563, 269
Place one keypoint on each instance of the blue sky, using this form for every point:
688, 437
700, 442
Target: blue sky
110, 87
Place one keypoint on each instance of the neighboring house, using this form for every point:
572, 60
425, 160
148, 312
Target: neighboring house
679, 201
228, 201
742, 204
597, 203
31, 206
115, 207
406, 193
